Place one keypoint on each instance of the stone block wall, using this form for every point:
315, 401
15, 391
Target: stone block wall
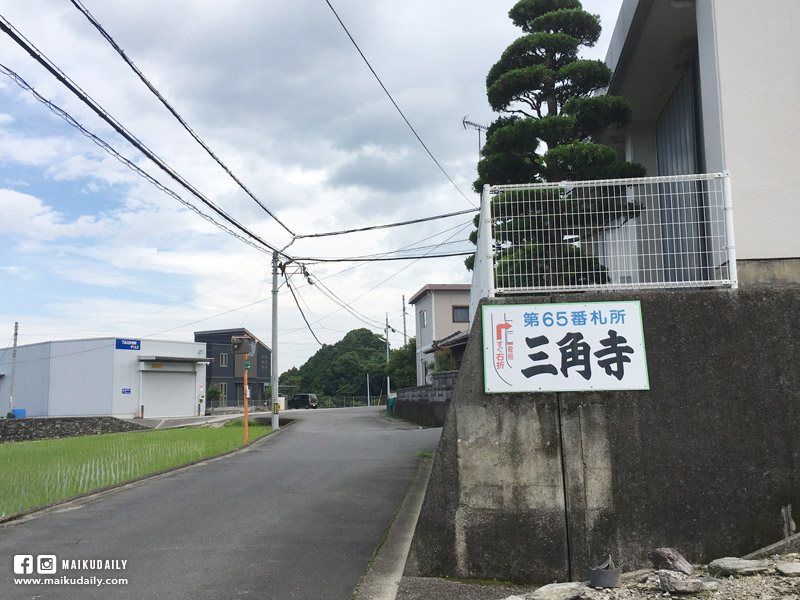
426, 405
19, 430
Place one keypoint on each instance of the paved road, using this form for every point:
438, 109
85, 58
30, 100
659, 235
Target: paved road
297, 516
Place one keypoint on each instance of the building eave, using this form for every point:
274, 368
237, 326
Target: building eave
175, 359
439, 287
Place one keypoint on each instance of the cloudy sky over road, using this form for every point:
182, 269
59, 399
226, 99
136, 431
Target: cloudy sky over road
89, 248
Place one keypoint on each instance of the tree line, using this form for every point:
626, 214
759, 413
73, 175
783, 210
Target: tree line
341, 369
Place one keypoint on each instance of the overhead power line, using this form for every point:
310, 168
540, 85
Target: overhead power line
7, 348
172, 110
347, 305
379, 258
408, 249
97, 25
411, 127
389, 225
377, 285
227, 312
113, 152
302, 314
344, 304
39, 57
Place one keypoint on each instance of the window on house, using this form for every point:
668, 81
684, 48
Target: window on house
223, 392
423, 319
461, 314
223, 359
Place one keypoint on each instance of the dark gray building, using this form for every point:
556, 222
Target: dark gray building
227, 369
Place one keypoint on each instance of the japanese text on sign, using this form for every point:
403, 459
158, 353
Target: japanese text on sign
564, 347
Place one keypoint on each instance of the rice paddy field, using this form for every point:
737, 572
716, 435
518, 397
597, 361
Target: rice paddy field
36, 473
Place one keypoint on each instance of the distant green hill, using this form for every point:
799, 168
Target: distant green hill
341, 369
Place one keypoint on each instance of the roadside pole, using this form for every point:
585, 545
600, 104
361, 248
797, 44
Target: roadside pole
245, 364
243, 345
274, 367
368, 402
386, 333
405, 336
13, 368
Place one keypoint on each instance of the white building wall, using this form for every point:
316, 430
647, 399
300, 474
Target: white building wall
424, 334
93, 377
759, 83
32, 379
710, 101
443, 306
640, 144
438, 306
175, 400
81, 372
125, 388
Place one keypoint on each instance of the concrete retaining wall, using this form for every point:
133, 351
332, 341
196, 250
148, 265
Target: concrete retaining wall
19, 430
426, 405
704, 461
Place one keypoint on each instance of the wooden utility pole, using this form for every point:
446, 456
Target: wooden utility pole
405, 337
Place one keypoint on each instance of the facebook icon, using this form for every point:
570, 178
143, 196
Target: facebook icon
23, 564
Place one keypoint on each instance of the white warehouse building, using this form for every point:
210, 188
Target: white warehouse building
107, 376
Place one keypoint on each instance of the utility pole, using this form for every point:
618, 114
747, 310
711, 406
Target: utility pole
246, 365
386, 331
274, 367
13, 368
368, 402
405, 337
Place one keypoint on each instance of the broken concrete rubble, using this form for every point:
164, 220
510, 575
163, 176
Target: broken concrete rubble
676, 582
777, 578
788, 569
737, 566
670, 559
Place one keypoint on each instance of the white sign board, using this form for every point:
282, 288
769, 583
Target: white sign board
564, 347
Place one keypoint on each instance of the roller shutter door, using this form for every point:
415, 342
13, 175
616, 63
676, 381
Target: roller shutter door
168, 394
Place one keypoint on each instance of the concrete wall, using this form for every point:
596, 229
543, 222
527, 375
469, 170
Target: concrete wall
760, 122
540, 487
775, 272
427, 405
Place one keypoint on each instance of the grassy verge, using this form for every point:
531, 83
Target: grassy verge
40, 472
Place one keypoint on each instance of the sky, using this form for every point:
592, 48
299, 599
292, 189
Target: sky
89, 248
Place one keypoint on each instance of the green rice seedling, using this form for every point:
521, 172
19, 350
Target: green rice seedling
39, 472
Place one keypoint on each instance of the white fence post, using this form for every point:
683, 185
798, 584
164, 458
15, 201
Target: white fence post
730, 244
483, 267
485, 241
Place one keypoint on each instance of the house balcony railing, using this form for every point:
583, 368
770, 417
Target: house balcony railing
616, 234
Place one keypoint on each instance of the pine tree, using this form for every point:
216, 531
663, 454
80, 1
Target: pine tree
549, 132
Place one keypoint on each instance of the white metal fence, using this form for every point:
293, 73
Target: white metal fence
650, 232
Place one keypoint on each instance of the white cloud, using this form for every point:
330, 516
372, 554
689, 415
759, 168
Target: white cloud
280, 94
26, 216
17, 271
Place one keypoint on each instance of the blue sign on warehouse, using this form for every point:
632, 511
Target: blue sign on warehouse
129, 344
